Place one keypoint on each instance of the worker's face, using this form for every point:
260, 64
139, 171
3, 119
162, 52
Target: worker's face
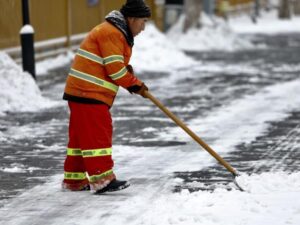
136, 25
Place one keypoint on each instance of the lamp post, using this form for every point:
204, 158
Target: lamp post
27, 40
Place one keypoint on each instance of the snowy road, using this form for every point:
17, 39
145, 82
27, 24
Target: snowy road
245, 104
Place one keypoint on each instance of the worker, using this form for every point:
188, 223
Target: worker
100, 66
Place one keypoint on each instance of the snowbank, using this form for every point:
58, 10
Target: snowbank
215, 34
154, 52
270, 200
267, 23
19, 91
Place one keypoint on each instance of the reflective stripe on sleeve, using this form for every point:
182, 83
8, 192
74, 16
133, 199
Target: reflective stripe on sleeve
74, 176
97, 152
73, 151
94, 178
113, 58
95, 58
90, 56
121, 73
92, 79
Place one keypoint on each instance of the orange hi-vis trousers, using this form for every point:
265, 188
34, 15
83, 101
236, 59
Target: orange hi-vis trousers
89, 159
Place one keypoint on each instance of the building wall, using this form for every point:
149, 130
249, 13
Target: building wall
54, 18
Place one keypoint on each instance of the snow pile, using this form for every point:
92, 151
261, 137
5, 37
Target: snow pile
19, 91
267, 23
270, 182
215, 34
270, 200
154, 52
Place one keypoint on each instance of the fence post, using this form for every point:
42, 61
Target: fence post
27, 40
69, 24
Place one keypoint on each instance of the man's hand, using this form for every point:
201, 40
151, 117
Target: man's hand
142, 90
130, 69
139, 90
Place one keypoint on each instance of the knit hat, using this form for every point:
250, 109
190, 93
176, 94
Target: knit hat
135, 8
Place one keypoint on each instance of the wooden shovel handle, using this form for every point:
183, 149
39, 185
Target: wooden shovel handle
190, 132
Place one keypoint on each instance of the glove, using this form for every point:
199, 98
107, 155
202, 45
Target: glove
130, 69
139, 90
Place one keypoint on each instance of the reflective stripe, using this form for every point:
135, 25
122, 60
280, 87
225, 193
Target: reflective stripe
119, 74
95, 58
113, 58
97, 152
93, 79
73, 151
74, 176
94, 178
90, 56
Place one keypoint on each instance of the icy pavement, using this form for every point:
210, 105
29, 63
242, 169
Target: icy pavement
242, 103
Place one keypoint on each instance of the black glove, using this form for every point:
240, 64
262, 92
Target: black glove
139, 90
130, 69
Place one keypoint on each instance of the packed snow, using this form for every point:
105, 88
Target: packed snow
271, 198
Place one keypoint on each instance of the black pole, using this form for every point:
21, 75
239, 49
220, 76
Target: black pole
27, 40
25, 10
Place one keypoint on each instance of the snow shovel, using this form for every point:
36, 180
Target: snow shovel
194, 136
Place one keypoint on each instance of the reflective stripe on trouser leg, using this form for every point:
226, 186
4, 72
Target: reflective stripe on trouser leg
97, 152
92, 126
75, 178
74, 151
74, 170
101, 179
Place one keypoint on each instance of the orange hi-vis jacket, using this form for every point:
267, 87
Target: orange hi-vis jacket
100, 66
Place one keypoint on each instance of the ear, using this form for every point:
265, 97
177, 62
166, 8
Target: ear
130, 19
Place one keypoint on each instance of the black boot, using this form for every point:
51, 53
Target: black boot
114, 185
